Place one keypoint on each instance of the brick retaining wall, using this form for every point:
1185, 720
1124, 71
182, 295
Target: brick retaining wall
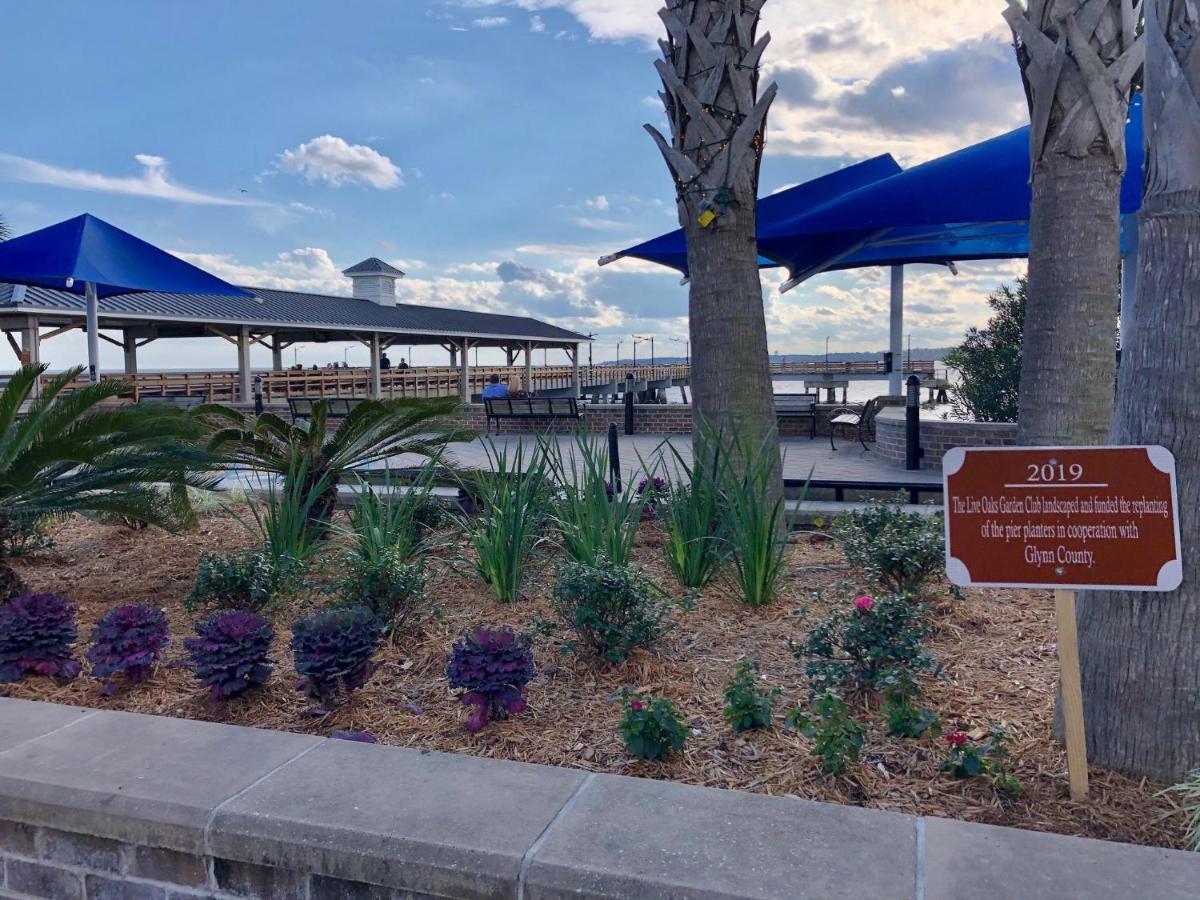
106, 805
937, 437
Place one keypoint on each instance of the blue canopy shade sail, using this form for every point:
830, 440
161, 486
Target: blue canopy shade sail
969, 205
86, 250
88, 256
671, 249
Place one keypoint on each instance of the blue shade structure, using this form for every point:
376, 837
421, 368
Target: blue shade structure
88, 256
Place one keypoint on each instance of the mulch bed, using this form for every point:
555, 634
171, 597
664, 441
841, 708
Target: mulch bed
997, 651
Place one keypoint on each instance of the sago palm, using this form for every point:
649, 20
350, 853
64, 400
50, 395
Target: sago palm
374, 431
65, 452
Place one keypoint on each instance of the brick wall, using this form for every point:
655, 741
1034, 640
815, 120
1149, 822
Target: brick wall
937, 437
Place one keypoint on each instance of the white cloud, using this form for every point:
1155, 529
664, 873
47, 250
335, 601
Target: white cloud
333, 160
305, 269
599, 202
490, 22
537, 25
153, 181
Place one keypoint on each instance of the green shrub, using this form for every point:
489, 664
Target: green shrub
512, 501
690, 510
756, 523
244, 579
968, 758
20, 535
1188, 794
747, 705
592, 519
612, 609
389, 585
863, 646
904, 718
837, 738
989, 360
651, 727
899, 550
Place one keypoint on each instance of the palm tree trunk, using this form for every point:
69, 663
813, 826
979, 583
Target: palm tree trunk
1068, 363
1141, 653
1079, 59
718, 130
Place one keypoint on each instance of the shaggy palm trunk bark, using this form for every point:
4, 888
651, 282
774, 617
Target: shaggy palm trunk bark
1078, 59
718, 129
1141, 652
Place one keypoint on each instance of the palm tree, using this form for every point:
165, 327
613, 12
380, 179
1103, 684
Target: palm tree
374, 431
718, 129
1140, 654
1079, 59
67, 452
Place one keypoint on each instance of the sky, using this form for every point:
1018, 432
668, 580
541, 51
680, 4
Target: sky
492, 149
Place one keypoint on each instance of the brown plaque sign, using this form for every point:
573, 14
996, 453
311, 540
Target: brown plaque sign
1062, 517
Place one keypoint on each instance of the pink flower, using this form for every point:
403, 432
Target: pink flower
956, 738
863, 604
636, 705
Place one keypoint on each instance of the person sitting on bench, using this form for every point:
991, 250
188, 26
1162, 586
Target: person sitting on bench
494, 389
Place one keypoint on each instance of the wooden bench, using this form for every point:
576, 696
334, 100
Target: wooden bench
497, 408
335, 407
798, 406
175, 402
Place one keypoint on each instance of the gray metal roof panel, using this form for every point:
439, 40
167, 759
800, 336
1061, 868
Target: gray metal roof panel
291, 308
373, 266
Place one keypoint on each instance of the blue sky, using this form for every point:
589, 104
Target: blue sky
491, 148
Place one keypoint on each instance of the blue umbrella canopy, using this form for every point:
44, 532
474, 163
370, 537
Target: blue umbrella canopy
88, 256
971, 204
86, 250
671, 249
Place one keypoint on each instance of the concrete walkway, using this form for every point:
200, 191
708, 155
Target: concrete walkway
104, 804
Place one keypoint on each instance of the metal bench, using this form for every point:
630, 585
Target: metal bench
335, 407
176, 402
860, 418
497, 408
798, 406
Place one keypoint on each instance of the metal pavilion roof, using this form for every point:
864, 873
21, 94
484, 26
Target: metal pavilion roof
183, 315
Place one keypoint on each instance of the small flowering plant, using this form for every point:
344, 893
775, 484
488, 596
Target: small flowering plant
652, 492
967, 756
229, 653
650, 726
747, 705
128, 641
334, 651
492, 667
37, 632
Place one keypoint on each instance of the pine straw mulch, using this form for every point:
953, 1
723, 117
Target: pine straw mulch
997, 650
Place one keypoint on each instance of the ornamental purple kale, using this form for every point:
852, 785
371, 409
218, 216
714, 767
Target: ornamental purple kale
229, 656
333, 649
128, 641
36, 635
492, 666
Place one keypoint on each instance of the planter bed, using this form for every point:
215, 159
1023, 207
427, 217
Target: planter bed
997, 651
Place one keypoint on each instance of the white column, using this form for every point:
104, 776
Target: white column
93, 332
453, 357
129, 345
376, 367
31, 348
244, 392
529, 366
464, 378
1129, 275
276, 355
896, 345
576, 380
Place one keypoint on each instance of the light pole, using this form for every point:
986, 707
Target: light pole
826, 353
637, 340
687, 349
618, 353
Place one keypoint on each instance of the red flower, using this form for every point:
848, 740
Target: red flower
956, 738
864, 604
636, 705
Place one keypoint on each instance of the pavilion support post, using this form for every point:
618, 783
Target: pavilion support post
464, 377
376, 367
576, 379
276, 355
1129, 279
31, 348
896, 344
93, 331
453, 356
529, 366
243, 345
129, 347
